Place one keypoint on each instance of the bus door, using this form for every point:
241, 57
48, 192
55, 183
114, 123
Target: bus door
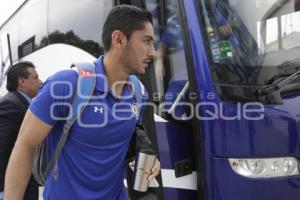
169, 114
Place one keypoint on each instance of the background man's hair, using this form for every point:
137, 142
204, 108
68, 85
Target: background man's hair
17, 71
125, 18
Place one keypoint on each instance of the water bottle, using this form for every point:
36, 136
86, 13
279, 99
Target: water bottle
144, 162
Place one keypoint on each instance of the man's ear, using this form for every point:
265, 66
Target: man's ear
21, 81
118, 39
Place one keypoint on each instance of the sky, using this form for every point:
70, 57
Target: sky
7, 7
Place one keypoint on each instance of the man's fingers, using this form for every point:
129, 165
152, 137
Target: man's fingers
155, 170
156, 166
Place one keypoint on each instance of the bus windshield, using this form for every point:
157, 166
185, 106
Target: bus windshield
250, 42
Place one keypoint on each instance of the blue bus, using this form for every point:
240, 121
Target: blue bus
224, 91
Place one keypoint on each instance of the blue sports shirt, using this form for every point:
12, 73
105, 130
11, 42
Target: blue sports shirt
91, 165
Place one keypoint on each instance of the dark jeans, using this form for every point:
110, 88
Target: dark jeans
32, 190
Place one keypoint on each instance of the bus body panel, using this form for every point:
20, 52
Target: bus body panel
229, 185
178, 194
275, 135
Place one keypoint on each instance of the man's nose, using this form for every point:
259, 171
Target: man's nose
152, 53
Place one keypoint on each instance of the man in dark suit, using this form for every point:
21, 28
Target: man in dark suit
23, 84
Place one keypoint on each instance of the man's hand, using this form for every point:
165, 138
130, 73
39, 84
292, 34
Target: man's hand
155, 170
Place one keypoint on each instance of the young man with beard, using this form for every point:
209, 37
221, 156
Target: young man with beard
91, 165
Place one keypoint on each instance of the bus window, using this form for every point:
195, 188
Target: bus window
32, 28
12, 28
63, 23
27, 47
4, 56
248, 48
170, 65
290, 25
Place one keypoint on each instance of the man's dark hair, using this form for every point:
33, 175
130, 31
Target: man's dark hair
297, 5
125, 18
17, 71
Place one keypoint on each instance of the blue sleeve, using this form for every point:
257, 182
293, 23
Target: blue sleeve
55, 97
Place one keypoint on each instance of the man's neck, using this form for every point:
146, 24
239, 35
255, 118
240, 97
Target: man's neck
115, 73
25, 95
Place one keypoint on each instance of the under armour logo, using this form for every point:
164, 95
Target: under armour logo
85, 72
98, 109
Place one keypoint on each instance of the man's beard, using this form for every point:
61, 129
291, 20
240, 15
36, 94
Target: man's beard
127, 59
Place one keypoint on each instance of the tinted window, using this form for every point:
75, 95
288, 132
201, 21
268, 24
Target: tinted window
12, 28
33, 26
248, 48
4, 57
78, 23
170, 69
